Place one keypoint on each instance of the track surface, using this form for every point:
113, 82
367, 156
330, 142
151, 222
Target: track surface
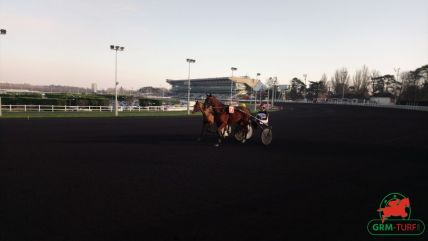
148, 179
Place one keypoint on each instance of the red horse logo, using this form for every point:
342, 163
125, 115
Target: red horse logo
396, 208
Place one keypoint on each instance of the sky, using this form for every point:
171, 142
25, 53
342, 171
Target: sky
67, 42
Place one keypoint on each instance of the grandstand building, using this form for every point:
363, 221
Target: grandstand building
220, 87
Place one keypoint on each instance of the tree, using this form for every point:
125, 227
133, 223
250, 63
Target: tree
340, 82
384, 86
271, 83
324, 79
297, 89
316, 90
361, 82
415, 86
275, 87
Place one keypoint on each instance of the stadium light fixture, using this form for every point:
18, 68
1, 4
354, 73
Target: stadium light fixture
190, 61
116, 48
2, 32
231, 84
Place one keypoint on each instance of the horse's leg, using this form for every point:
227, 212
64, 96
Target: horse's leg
220, 133
244, 127
204, 126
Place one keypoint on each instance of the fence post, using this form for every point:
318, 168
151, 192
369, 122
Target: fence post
10, 108
39, 108
52, 108
65, 108
139, 108
25, 108
100, 108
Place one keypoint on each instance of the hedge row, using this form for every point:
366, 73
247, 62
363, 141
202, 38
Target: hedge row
54, 101
31, 101
34, 95
67, 99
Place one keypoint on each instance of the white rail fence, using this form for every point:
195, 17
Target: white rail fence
374, 104
356, 102
68, 108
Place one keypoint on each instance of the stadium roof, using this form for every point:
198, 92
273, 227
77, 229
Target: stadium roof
252, 83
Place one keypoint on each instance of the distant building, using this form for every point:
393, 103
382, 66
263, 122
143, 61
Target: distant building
94, 87
220, 87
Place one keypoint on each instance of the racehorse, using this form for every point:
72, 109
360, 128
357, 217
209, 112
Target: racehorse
224, 119
207, 117
396, 208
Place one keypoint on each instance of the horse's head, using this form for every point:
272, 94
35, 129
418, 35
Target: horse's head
197, 107
211, 101
405, 202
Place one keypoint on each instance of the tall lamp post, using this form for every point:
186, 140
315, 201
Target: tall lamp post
116, 48
190, 61
2, 32
231, 84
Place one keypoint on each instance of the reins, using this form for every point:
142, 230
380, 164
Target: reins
223, 107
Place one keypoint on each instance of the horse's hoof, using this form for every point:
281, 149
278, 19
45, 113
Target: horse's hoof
217, 145
243, 141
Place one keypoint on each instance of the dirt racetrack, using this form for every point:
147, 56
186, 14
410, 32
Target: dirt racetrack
322, 178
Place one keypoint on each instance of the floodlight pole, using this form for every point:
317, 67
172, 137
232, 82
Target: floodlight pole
231, 84
116, 48
116, 112
2, 32
190, 61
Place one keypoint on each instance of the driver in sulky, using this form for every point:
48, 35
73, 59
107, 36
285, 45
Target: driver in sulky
263, 115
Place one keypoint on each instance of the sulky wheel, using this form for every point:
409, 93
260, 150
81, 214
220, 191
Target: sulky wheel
266, 136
